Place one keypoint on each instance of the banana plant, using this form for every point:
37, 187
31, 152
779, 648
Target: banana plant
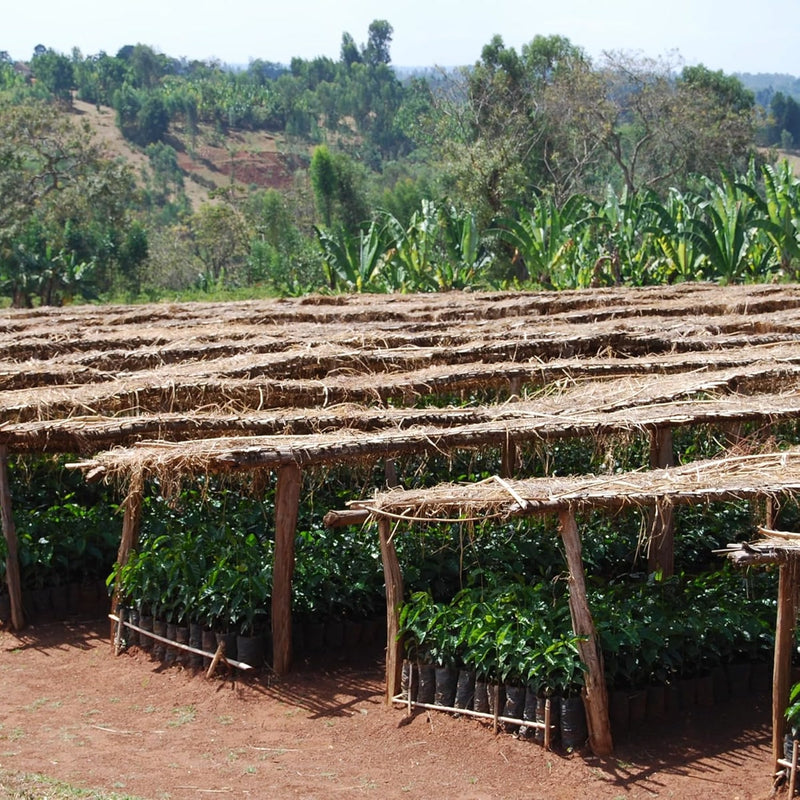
725, 231
544, 239
466, 257
625, 252
678, 256
354, 262
781, 213
413, 255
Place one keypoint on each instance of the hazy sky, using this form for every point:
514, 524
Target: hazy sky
733, 35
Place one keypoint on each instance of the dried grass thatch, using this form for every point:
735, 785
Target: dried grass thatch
324, 379
732, 478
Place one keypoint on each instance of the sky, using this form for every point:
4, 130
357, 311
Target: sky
731, 35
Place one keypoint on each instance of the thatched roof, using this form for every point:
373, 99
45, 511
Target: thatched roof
731, 478
772, 547
324, 379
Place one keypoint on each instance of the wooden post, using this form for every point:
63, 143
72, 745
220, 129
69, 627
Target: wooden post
595, 694
130, 531
287, 501
394, 597
508, 468
390, 471
771, 509
788, 584
10, 533
661, 554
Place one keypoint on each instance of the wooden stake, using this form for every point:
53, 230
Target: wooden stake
218, 655
130, 531
788, 584
661, 555
10, 532
595, 694
793, 772
547, 717
393, 578
287, 500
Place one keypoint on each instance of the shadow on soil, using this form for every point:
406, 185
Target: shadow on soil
80, 635
710, 743
331, 686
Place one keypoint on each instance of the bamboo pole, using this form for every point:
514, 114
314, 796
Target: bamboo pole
788, 584
394, 597
10, 532
130, 531
287, 499
661, 555
595, 694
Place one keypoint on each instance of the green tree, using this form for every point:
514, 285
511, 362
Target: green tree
324, 181
55, 72
221, 239
378, 43
64, 203
349, 53
152, 120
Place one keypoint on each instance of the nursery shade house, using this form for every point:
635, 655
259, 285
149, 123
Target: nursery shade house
176, 392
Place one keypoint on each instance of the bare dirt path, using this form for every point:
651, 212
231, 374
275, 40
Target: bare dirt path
72, 711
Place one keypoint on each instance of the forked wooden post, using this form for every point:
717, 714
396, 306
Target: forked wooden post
130, 532
10, 532
394, 597
788, 586
661, 556
287, 500
771, 509
595, 694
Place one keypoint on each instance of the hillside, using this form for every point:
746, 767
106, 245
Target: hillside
246, 159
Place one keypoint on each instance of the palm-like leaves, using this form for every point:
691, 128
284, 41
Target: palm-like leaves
354, 262
544, 238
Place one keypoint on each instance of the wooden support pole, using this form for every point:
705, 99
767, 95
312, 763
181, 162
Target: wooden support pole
390, 471
394, 597
10, 532
595, 694
771, 509
661, 554
345, 517
130, 530
508, 469
287, 501
788, 586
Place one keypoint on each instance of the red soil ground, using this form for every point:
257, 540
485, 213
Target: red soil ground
73, 711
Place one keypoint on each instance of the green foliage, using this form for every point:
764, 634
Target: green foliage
55, 72
508, 632
64, 211
520, 159
792, 712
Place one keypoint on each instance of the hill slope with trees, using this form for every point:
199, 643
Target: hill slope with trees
537, 167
